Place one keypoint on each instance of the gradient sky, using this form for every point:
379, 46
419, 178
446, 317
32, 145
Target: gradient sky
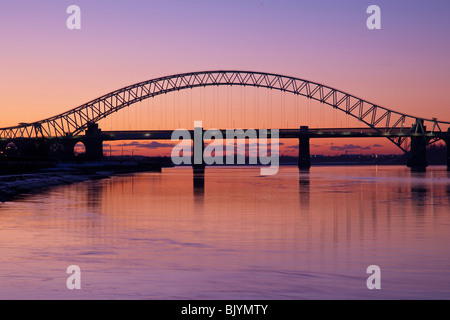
46, 69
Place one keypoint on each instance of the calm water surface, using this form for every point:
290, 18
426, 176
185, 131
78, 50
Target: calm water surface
243, 236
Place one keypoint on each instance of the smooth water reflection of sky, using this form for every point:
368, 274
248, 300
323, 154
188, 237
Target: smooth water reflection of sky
289, 236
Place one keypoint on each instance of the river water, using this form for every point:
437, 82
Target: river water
240, 236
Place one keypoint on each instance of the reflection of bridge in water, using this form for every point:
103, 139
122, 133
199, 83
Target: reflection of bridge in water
57, 136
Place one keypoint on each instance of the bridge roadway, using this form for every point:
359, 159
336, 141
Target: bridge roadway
94, 137
283, 133
419, 140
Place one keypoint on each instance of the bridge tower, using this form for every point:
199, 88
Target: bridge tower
198, 161
304, 155
418, 153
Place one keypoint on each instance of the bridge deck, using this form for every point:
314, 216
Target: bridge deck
283, 133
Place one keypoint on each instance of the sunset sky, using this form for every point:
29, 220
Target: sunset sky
46, 69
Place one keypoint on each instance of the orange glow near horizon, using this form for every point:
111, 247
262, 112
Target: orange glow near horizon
288, 147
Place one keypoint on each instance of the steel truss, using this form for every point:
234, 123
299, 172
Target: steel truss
384, 120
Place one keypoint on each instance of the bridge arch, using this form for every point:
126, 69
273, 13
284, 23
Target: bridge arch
75, 121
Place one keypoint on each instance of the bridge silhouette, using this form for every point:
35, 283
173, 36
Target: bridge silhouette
60, 133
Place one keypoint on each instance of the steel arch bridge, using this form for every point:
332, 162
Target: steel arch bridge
383, 120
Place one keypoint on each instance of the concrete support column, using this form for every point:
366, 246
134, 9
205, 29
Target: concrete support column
418, 154
447, 143
304, 156
198, 163
93, 142
94, 148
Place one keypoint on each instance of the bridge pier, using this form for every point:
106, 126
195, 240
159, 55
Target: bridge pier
94, 148
198, 162
93, 142
304, 155
447, 143
418, 154
448, 154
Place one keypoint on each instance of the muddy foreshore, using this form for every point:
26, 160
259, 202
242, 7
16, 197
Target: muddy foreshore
15, 185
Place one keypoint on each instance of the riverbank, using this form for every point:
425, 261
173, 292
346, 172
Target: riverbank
16, 184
